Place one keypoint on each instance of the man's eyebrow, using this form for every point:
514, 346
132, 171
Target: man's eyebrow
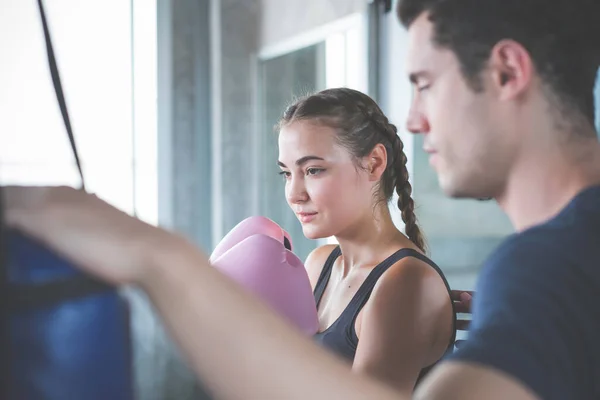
415, 76
302, 161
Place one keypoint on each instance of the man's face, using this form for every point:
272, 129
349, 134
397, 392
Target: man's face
462, 129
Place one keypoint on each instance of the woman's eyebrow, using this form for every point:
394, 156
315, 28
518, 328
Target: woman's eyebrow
302, 161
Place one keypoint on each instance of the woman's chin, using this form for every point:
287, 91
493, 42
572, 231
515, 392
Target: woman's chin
313, 232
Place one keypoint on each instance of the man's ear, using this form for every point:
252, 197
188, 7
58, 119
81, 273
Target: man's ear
511, 68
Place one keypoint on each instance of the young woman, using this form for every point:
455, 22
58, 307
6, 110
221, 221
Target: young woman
382, 304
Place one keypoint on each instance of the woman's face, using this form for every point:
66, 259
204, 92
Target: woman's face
323, 186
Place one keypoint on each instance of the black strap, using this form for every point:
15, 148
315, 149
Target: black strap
59, 91
325, 274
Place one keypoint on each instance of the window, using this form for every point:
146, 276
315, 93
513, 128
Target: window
106, 54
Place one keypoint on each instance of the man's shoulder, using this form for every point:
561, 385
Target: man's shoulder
556, 260
533, 302
570, 241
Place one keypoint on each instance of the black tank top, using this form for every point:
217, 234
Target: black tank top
341, 336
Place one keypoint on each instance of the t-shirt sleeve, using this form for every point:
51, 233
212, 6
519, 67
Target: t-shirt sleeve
528, 318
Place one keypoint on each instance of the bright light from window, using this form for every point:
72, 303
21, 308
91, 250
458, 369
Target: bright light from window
145, 165
335, 61
93, 47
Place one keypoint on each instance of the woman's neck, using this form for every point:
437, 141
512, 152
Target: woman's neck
370, 240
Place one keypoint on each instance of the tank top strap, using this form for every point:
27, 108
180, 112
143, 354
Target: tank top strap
325, 274
348, 317
364, 291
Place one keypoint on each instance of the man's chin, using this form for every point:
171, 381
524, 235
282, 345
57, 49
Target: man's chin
454, 190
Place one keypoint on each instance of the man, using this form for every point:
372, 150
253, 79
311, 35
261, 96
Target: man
504, 99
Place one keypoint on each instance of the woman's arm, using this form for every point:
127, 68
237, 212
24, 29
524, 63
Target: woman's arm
405, 326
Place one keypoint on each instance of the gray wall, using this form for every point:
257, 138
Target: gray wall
240, 27
285, 19
191, 128
201, 110
184, 183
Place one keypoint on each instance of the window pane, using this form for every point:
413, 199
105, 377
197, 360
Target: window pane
39, 174
95, 65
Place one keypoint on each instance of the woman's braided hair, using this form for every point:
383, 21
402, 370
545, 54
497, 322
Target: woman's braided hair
361, 125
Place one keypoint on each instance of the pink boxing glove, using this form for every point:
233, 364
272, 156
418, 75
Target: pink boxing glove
254, 254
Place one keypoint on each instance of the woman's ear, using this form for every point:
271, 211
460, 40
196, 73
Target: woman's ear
376, 162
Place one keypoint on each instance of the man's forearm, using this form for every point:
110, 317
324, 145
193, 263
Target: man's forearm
237, 346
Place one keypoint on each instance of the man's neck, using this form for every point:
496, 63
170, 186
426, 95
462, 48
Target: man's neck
544, 182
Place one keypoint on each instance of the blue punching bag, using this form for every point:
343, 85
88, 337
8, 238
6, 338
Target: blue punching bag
68, 333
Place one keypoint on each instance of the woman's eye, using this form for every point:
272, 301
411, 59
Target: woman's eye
314, 171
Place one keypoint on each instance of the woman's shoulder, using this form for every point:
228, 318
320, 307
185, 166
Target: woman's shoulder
316, 260
409, 275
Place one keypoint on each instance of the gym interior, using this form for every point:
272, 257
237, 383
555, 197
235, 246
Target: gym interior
173, 105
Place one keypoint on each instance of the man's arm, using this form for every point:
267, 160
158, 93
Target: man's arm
237, 346
462, 381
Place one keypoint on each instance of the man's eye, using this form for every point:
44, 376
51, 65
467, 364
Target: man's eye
285, 174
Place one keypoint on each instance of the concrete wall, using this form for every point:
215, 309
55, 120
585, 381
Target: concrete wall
184, 184
191, 128
284, 19
239, 30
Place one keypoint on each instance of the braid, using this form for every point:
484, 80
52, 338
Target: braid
405, 201
398, 177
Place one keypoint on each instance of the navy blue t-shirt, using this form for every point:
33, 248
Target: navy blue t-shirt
536, 312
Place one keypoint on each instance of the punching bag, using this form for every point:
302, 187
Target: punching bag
68, 333
258, 255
